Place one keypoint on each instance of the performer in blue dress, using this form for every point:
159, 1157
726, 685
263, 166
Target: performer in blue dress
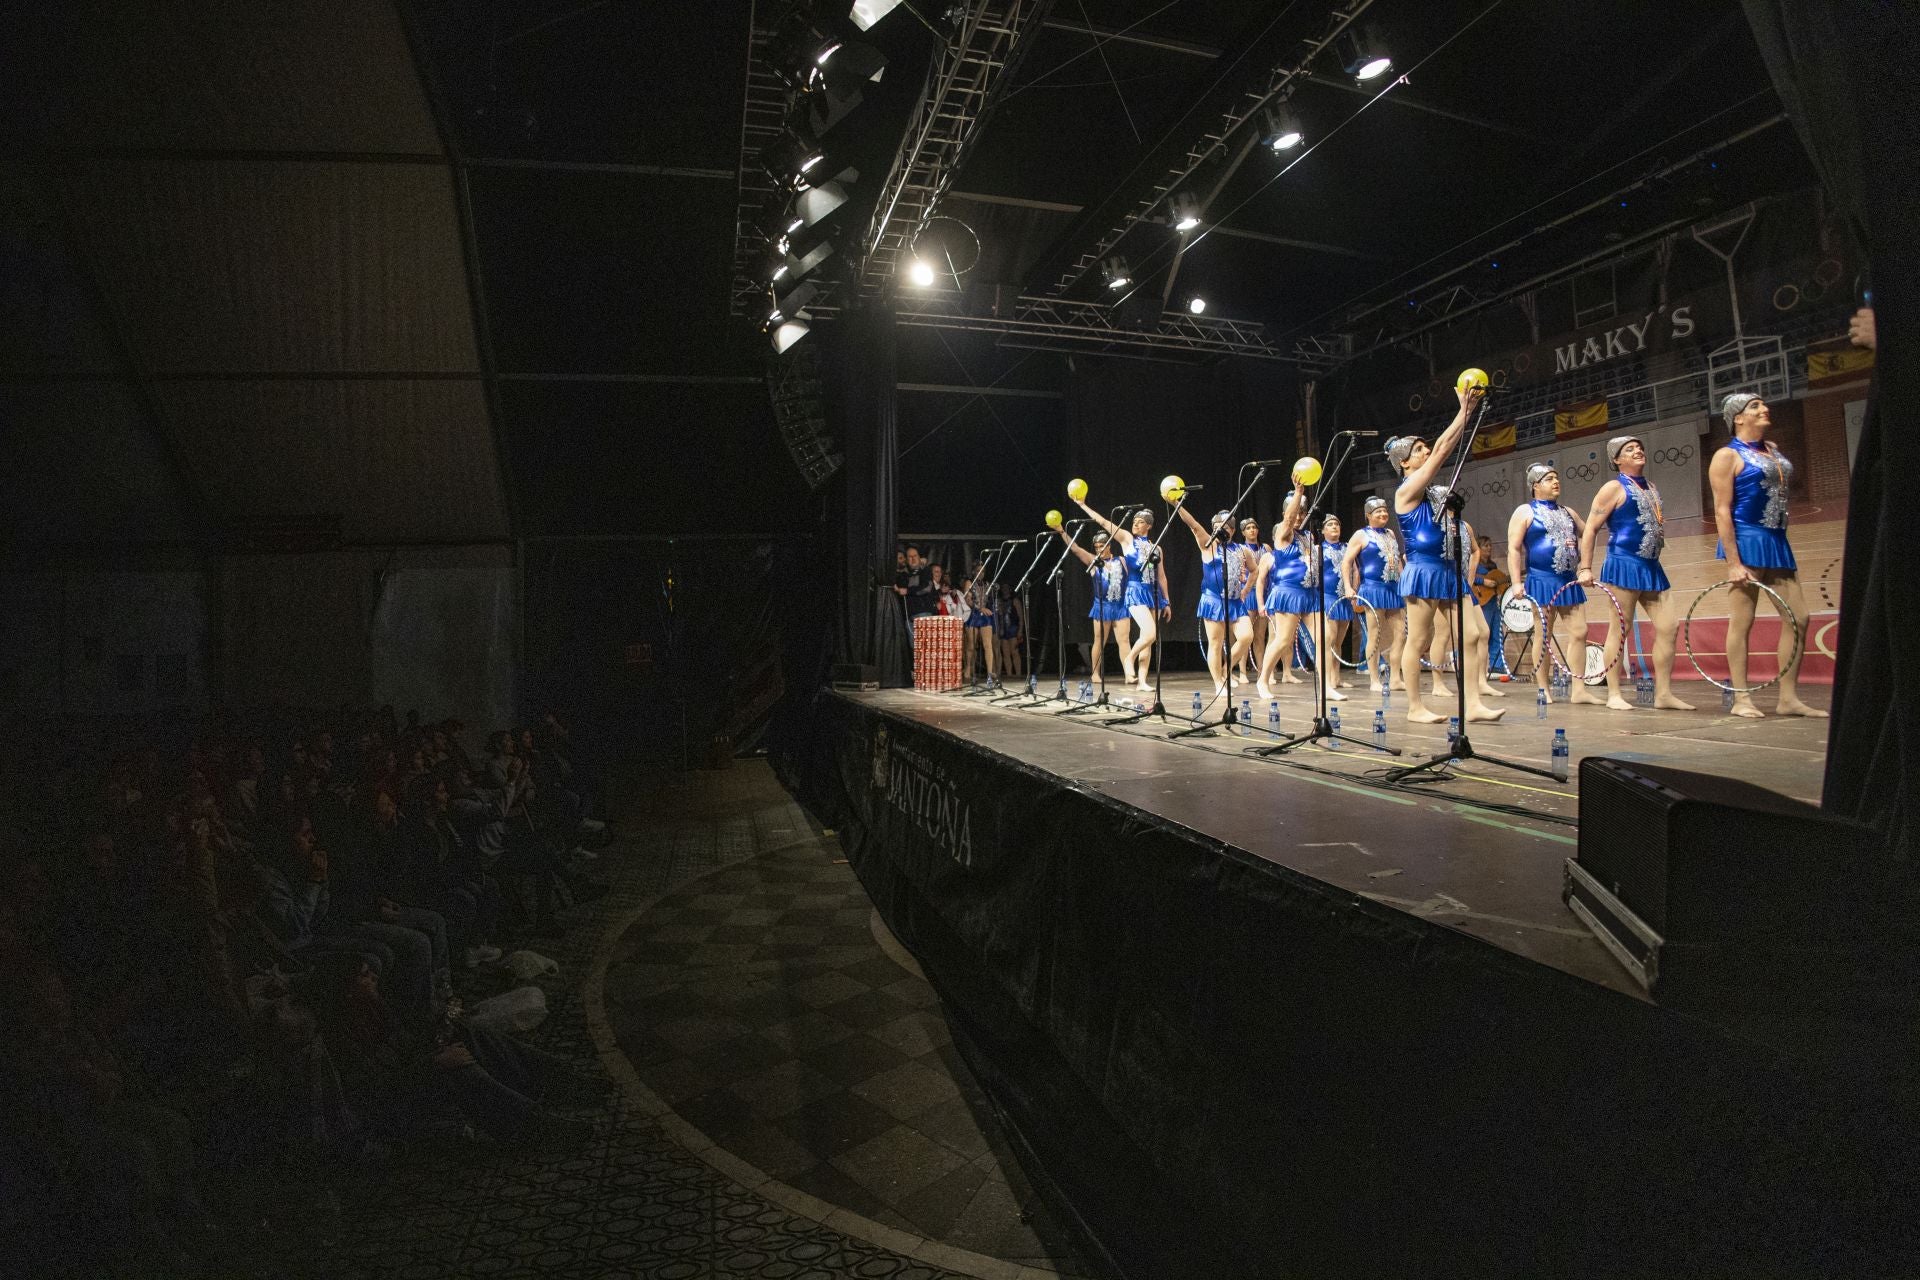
1629, 508
1256, 595
1010, 622
1225, 575
1332, 553
1750, 477
1543, 554
977, 632
1287, 571
1108, 574
1370, 572
1433, 586
1148, 601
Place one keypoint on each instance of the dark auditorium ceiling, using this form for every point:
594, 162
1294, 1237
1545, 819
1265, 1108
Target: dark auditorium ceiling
459, 270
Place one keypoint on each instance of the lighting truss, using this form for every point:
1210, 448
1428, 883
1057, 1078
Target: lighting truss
963, 84
1247, 107
763, 116
1095, 327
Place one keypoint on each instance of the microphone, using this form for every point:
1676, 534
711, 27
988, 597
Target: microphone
1357, 433
1195, 488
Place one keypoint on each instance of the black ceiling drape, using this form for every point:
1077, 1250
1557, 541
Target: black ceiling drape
1844, 73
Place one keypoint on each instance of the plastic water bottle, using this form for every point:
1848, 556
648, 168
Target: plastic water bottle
1033, 683
1246, 712
1386, 692
1379, 728
1726, 700
1453, 730
1643, 688
1273, 718
1333, 722
1197, 704
1562, 752
1540, 705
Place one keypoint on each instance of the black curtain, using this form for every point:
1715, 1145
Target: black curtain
1131, 423
864, 414
1844, 73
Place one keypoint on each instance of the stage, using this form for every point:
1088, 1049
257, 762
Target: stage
1258, 1017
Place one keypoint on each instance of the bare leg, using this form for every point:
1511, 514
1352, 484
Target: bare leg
1740, 608
1280, 633
1216, 646
1616, 639
1473, 665
988, 645
1420, 617
1788, 586
1439, 650
1123, 645
1336, 636
1664, 611
1242, 643
1575, 618
1142, 652
1259, 646
1100, 652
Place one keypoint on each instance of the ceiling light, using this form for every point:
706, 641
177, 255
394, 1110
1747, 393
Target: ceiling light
1362, 54
920, 272
1283, 131
1117, 273
1197, 304
1186, 211
789, 333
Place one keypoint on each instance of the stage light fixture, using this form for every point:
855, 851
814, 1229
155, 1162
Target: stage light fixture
1283, 130
790, 332
791, 156
1118, 274
1185, 211
1362, 55
1197, 305
868, 12
920, 273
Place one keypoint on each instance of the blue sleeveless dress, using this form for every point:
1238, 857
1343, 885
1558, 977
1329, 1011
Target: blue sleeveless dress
1291, 590
1109, 578
1240, 561
1428, 576
979, 602
1760, 510
1636, 533
1380, 569
1553, 556
1143, 580
1339, 608
1213, 587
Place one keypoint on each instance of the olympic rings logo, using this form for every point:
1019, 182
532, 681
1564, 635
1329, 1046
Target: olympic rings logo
1790, 295
1679, 455
1495, 487
1583, 471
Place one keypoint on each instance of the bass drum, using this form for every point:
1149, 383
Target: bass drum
1516, 612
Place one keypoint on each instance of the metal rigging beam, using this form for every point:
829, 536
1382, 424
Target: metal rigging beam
1271, 60
963, 86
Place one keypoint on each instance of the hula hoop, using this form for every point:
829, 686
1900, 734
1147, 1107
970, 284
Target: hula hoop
1519, 616
1591, 675
1786, 615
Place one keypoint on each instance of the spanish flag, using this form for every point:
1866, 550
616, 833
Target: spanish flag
1494, 439
1579, 420
1836, 360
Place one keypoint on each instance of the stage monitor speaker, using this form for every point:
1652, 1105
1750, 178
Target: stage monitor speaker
1700, 884
855, 676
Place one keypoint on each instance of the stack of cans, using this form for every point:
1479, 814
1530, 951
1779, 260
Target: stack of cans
936, 653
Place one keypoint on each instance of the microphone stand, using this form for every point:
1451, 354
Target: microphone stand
1026, 623
1152, 561
1004, 554
1056, 581
1322, 724
1228, 717
1461, 748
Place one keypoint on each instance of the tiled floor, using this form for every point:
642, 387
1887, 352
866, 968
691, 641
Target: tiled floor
758, 1004
798, 1055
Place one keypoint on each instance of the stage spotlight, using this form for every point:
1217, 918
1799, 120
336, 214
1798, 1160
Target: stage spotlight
1197, 305
1362, 55
789, 332
790, 157
1185, 211
920, 273
1283, 130
868, 12
1117, 273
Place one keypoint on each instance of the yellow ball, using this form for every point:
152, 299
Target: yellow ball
1173, 488
1471, 378
1307, 471
1054, 519
1077, 490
